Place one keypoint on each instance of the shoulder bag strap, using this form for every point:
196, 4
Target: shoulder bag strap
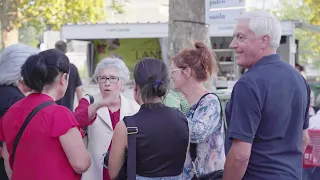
132, 130
193, 146
24, 125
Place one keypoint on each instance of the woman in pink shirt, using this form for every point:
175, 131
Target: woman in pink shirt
51, 146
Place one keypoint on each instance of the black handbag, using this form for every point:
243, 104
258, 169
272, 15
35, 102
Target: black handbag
123, 175
130, 160
215, 175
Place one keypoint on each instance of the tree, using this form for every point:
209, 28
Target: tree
307, 12
46, 14
186, 25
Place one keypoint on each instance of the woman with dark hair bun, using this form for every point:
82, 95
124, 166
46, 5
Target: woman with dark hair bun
162, 134
189, 70
50, 147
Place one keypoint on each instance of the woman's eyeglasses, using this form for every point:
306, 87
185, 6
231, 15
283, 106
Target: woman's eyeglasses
175, 69
112, 79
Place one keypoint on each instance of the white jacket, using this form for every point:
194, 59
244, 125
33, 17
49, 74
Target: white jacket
100, 135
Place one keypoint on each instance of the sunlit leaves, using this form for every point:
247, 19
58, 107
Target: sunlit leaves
307, 12
52, 14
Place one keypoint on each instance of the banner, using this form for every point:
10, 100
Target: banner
131, 50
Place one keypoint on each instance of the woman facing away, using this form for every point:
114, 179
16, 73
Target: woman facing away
162, 137
51, 146
12, 87
102, 116
189, 70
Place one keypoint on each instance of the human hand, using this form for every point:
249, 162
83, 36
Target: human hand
108, 100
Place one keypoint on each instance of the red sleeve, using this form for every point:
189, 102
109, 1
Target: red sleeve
82, 115
63, 120
1, 131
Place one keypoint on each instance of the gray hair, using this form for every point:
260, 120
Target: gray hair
264, 23
11, 60
112, 61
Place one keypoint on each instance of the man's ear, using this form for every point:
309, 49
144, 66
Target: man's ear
265, 41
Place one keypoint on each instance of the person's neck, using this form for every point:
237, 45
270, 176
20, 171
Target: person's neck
152, 101
266, 52
193, 92
50, 92
269, 52
20, 87
115, 104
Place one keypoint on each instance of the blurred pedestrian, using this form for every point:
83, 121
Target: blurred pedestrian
74, 86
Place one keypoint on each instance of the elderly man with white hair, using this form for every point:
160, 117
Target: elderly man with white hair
12, 87
267, 114
102, 116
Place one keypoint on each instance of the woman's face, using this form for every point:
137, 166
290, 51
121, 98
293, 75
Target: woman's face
61, 85
110, 83
177, 76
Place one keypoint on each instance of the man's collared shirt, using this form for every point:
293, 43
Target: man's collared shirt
269, 109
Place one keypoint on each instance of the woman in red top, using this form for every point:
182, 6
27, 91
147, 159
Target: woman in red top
51, 146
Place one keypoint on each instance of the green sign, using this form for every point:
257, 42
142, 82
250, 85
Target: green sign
131, 50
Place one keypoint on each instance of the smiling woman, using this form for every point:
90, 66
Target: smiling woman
102, 116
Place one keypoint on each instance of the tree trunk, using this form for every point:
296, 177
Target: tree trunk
187, 25
9, 37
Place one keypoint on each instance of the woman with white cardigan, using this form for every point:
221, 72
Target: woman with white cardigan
102, 116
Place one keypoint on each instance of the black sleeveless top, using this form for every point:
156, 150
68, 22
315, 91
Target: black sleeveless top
162, 140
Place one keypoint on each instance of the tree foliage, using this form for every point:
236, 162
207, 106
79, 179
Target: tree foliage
307, 11
52, 14
315, 9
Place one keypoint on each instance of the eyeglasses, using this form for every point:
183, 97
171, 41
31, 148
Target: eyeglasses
175, 69
112, 79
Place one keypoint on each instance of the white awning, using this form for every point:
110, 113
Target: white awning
145, 30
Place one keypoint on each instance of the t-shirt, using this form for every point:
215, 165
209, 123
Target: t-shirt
39, 154
269, 109
74, 82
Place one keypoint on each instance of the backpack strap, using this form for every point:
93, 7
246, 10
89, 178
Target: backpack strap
132, 130
24, 125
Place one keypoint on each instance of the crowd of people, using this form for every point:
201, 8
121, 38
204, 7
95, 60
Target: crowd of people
264, 136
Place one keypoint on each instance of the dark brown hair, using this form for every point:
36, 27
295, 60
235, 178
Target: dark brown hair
152, 77
200, 59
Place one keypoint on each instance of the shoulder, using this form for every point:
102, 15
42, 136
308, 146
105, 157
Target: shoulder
209, 100
10, 94
176, 112
58, 111
73, 67
131, 105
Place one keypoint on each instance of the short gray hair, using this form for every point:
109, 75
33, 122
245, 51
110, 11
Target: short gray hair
112, 61
11, 60
264, 23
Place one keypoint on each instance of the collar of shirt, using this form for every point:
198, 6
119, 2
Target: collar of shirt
267, 60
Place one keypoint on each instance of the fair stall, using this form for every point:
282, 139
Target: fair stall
136, 40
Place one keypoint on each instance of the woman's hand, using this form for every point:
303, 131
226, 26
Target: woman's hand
108, 100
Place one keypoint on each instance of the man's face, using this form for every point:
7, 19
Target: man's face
248, 47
